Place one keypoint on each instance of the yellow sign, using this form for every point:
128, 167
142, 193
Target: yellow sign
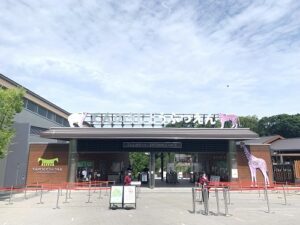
47, 162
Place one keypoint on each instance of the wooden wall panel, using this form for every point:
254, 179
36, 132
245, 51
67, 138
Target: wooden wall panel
37, 173
259, 151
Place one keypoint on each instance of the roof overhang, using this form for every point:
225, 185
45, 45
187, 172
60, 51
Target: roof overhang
67, 133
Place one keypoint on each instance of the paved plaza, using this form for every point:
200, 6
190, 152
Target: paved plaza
168, 206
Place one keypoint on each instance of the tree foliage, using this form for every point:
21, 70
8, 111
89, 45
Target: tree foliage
249, 122
138, 160
11, 102
285, 125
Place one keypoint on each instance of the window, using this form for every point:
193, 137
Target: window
32, 106
42, 111
66, 123
59, 119
50, 115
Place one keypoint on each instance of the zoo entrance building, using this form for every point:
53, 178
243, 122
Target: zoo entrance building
61, 152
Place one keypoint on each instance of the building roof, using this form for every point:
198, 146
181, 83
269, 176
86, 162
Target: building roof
8, 83
264, 140
290, 144
65, 133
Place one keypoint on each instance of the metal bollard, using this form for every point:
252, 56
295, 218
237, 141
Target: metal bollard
57, 200
41, 196
100, 191
225, 201
89, 198
217, 199
267, 198
205, 197
70, 194
106, 188
36, 188
284, 194
10, 196
228, 195
193, 199
66, 199
25, 192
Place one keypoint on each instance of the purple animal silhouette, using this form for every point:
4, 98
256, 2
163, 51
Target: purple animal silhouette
233, 118
255, 163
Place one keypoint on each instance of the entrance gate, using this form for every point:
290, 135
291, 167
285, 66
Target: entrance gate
284, 173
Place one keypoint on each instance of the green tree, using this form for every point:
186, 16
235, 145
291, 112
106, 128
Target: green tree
285, 125
11, 102
138, 160
249, 122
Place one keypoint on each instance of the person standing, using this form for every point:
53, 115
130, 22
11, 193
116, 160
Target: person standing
127, 179
204, 182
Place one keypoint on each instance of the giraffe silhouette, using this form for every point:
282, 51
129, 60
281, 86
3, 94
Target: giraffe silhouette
255, 163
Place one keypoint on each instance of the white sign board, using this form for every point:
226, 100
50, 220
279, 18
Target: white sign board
234, 173
136, 183
116, 194
129, 194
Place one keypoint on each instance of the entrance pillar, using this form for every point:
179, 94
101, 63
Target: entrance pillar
72, 161
152, 170
232, 162
162, 166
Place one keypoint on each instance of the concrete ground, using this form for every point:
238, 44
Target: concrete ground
169, 206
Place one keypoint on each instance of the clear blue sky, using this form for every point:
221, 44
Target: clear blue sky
189, 56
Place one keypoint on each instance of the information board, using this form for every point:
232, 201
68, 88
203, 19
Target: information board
129, 194
116, 195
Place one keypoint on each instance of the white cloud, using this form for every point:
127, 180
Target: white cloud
155, 56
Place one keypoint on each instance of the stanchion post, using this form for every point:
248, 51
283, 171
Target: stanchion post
225, 201
193, 199
206, 206
41, 196
66, 199
240, 186
106, 188
10, 195
25, 192
70, 193
89, 194
57, 200
267, 198
228, 195
100, 190
217, 199
36, 188
284, 194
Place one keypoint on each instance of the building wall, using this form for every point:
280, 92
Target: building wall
13, 166
38, 173
259, 151
103, 162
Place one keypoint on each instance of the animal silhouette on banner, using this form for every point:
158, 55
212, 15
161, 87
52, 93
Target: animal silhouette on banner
255, 163
233, 118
